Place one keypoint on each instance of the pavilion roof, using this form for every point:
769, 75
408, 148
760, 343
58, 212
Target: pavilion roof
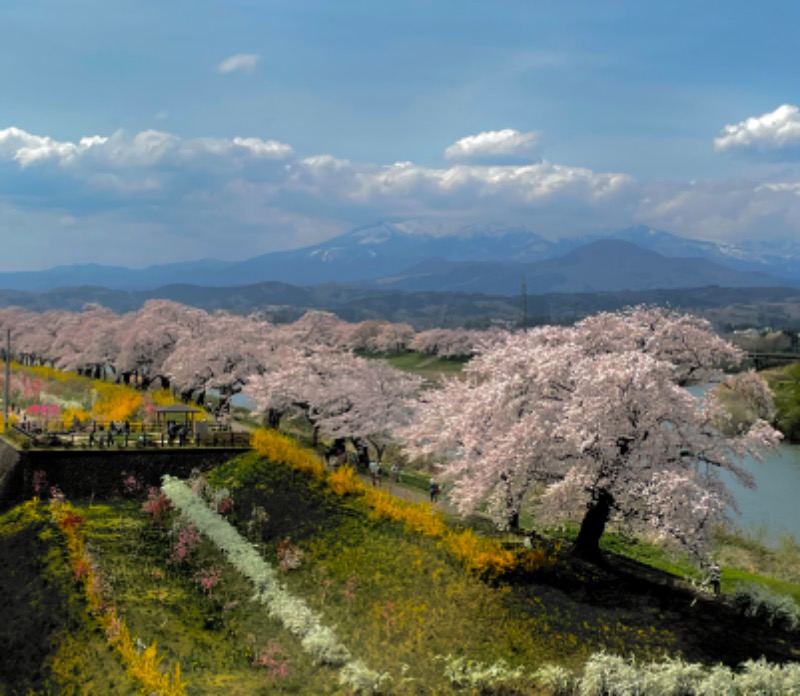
177, 408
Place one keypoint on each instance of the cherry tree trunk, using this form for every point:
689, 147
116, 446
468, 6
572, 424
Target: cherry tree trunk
587, 544
273, 418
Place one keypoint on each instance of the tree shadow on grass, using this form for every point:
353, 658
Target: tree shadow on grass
630, 608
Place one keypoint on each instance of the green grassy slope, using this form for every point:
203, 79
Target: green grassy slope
400, 602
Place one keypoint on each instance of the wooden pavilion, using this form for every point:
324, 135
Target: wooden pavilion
176, 414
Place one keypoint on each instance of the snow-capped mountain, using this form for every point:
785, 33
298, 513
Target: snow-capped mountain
406, 254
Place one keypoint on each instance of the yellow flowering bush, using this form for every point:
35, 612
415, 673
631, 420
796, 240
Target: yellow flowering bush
48, 373
115, 402
345, 481
282, 450
162, 397
144, 666
482, 555
69, 414
12, 418
417, 517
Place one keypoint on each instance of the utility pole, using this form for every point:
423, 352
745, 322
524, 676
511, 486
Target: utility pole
6, 389
524, 301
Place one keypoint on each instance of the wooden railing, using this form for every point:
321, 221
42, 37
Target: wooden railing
137, 435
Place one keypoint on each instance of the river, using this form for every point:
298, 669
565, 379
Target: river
771, 510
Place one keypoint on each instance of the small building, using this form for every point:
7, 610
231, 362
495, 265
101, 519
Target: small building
177, 414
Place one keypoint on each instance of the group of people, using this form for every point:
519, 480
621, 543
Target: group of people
177, 431
106, 434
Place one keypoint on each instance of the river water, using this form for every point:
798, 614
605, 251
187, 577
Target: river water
771, 510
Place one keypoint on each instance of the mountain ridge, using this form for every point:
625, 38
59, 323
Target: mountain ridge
475, 257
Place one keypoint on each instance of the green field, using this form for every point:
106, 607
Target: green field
429, 366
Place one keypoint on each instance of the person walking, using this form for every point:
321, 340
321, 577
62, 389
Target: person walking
714, 577
375, 473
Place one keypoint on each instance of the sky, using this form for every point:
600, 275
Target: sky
141, 132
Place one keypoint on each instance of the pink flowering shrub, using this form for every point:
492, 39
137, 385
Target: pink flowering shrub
131, 485
225, 506
290, 557
39, 482
208, 579
273, 658
44, 410
157, 505
187, 539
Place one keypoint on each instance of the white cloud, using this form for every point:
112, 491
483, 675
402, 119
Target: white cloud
506, 143
241, 61
722, 211
775, 132
271, 149
27, 149
146, 149
243, 196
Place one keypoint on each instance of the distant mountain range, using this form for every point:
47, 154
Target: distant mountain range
425, 255
281, 302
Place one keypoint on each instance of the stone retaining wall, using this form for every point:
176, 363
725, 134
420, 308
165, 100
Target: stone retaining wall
10, 474
97, 474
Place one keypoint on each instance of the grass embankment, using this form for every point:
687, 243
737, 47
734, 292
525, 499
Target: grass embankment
406, 594
48, 641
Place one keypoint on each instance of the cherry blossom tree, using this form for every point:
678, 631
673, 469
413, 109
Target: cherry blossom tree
364, 336
221, 355
342, 395
149, 336
309, 382
449, 343
590, 423
373, 404
317, 328
375, 336
394, 338
33, 334
89, 342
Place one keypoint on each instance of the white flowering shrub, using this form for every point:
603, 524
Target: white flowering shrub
357, 677
318, 640
765, 679
556, 680
672, 678
757, 601
719, 681
321, 643
610, 675
467, 673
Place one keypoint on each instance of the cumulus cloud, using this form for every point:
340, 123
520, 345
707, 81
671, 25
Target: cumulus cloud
148, 149
27, 148
775, 133
186, 195
493, 145
241, 61
732, 211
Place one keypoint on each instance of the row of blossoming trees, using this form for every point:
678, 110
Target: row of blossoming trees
309, 366
589, 422
171, 344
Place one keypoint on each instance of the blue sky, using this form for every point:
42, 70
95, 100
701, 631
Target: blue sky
142, 131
